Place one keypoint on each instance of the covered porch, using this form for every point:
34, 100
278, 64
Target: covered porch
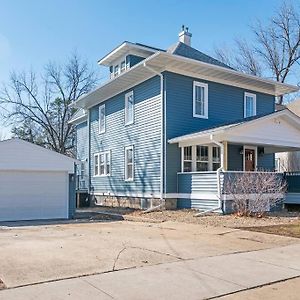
210, 157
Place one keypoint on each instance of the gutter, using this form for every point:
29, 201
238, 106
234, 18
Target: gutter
162, 136
219, 170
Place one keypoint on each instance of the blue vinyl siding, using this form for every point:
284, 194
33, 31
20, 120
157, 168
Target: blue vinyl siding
82, 141
234, 158
225, 104
144, 135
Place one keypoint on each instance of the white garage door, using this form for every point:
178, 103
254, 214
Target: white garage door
33, 195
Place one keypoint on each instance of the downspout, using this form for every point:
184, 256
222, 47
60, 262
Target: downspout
89, 153
219, 170
162, 140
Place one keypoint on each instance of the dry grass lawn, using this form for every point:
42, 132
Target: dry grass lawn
292, 230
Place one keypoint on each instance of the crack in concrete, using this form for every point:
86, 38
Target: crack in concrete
157, 252
117, 257
97, 288
252, 288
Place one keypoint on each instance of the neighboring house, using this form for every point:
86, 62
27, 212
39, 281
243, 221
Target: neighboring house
170, 124
35, 183
289, 161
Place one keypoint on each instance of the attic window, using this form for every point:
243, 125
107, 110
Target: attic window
123, 66
116, 70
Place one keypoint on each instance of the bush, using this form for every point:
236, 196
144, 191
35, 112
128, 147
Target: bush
254, 193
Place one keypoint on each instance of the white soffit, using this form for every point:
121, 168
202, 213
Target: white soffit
161, 61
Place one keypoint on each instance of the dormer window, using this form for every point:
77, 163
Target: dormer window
116, 70
123, 66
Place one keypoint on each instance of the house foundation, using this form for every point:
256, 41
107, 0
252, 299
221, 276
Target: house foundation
132, 202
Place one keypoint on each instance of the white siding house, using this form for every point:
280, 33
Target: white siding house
34, 182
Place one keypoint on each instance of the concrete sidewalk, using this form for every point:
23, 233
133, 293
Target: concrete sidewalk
198, 278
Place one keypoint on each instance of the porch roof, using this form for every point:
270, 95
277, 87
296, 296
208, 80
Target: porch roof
280, 130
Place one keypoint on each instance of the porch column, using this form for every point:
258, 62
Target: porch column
224, 156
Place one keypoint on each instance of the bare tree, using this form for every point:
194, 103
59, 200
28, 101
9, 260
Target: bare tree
275, 51
254, 193
39, 107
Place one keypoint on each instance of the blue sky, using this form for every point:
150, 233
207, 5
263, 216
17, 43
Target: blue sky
32, 32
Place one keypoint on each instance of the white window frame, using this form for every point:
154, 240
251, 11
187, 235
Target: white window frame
208, 161
123, 69
183, 160
127, 95
126, 163
97, 174
205, 86
246, 94
117, 66
102, 130
194, 158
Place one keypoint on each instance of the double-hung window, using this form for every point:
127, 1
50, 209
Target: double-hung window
123, 66
249, 105
102, 164
129, 163
187, 159
129, 108
200, 100
216, 158
116, 70
102, 118
202, 160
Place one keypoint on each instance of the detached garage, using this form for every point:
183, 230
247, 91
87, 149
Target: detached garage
35, 183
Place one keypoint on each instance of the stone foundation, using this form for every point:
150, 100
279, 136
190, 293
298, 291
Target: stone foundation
135, 202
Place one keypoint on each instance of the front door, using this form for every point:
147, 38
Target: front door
249, 160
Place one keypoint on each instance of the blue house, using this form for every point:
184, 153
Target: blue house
170, 125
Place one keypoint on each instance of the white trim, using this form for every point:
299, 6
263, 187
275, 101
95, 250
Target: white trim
253, 96
205, 87
224, 131
127, 95
105, 164
102, 130
255, 151
194, 158
92, 98
126, 164
106, 59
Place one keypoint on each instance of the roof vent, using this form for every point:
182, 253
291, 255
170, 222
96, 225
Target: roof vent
185, 36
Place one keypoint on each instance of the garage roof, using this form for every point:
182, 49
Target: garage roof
19, 155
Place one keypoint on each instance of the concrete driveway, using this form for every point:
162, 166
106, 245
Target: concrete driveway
130, 260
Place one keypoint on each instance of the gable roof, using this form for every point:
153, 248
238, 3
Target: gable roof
228, 131
187, 51
17, 154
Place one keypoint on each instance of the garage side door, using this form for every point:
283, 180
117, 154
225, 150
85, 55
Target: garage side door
33, 195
